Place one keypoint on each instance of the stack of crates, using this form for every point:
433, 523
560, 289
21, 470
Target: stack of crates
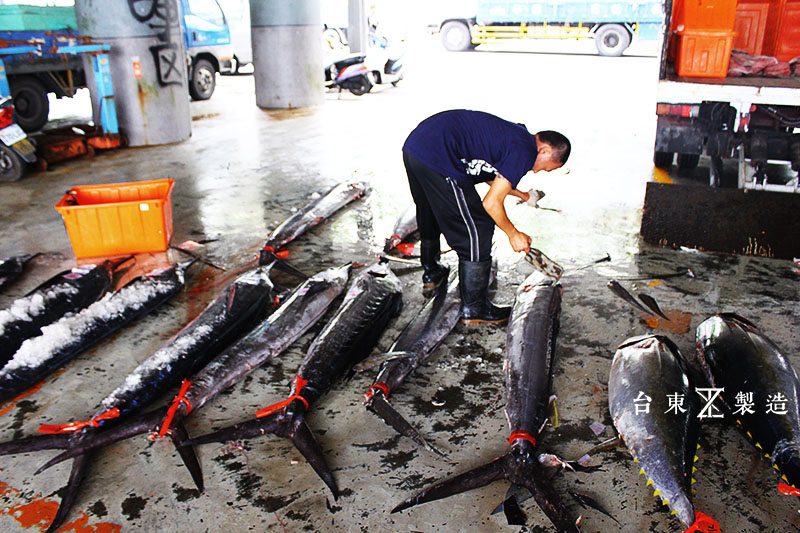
705, 36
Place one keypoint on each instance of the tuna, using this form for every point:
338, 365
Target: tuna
310, 215
416, 342
11, 268
403, 228
530, 343
298, 312
61, 341
761, 390
64, 293
654, 407
227, 317
372, 300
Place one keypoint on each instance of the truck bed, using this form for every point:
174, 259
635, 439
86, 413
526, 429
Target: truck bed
754, 89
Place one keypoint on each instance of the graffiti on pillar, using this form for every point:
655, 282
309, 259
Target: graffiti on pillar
162, 16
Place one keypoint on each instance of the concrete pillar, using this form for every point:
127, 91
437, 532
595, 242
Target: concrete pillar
148, 66
287, 53
357, 26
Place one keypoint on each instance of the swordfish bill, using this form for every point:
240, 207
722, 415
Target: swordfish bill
530, 343
761, 390
63, 340
298, 312
654, 407
220, 323
67, 292
416, 342
373, 299
11, 268
310, 215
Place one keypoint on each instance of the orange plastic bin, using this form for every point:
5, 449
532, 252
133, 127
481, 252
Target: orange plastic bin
704, 53
118, 218
718, 15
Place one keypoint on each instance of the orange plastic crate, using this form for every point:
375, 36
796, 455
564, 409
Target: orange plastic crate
706, 15
704, 54
118, 218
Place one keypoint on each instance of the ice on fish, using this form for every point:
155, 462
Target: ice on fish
29, 307
37, 350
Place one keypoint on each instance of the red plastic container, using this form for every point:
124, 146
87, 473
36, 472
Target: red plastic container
716, 15
704, 54
118, 218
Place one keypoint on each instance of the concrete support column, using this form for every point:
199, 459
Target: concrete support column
148, 66
287, 53
357, 26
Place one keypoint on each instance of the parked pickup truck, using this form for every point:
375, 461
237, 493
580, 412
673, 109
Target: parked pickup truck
32, 76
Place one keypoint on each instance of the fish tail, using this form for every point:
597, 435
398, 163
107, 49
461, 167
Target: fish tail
303, 439
76, 475
267, 257
179, 434
35, 443
294, 428
380, 406
520, 467
101, 438
473, 479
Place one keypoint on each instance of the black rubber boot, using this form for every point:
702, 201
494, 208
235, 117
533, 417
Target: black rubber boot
474, 286
434, 272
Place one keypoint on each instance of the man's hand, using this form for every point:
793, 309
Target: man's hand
533, 197
520, 242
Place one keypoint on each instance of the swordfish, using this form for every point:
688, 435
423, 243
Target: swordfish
11, 268
220, 323
373, 299
416, 342
59, 342
66, 292
310, 215
298, 312
530, 343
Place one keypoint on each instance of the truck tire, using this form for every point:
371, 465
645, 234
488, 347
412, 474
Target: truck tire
12, 167
31, 106
204, 80
612, 39
456, 36
663, 159
688, 161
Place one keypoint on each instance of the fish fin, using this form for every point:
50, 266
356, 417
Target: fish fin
379, 359
514, 514
650, 302
35, 443
520, 493
187, 453
305, 442
552, 411
473, 479
620, 291
585, 501
76, 475
379, 405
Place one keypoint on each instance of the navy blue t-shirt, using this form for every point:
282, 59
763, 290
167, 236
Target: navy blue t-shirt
469, 146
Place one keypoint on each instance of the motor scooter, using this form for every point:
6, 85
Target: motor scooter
350, 73
16, 151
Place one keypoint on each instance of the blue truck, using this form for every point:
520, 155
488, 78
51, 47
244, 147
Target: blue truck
32, 76
612, 24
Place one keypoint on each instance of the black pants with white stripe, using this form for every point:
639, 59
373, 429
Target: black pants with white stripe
446, 207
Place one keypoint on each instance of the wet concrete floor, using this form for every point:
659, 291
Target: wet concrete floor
244, 170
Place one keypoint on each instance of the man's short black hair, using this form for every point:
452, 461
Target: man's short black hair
558, 142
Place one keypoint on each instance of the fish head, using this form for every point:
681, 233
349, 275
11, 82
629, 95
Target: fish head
333, 277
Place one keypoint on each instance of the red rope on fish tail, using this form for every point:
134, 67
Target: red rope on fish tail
521, 434
406, 248
703, 524
299, 383
395, 236
788, 490
176, 403
280, 254
377, 386
70, 427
